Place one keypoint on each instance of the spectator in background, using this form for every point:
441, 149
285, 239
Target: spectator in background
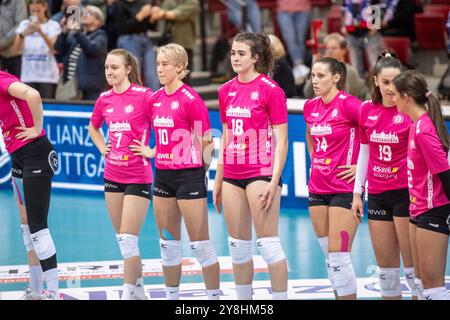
254, 23
398, 20
282, 73
293, 19
66, 3
336, 47
363, 39
11, 13
181, 17
36, 36
84, 52
132, 18
110, 25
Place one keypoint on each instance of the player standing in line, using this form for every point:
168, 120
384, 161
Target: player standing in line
34, 162
182, 158
333, 143
127, 178
428, 181
383, 134
253, 112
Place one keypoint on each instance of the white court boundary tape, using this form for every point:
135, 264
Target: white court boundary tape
297, 289
114, 269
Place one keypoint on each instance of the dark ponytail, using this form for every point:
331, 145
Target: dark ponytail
415, 86
385, 60
129, 61
259, 46
336, 67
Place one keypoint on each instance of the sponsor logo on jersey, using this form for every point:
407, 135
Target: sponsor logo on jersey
174, 105
321, 129
238, 112
372, 118
383, 137
128, 108
119, 126
398, 119
163, 122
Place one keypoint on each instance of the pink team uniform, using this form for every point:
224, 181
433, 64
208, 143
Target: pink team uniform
426, 158
178, 120
127, 116
250, 110
386, 131
14, 113
335, 137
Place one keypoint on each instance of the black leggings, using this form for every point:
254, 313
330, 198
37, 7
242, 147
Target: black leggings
37, 202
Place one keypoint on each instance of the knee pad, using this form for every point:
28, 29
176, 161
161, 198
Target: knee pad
240, 250
43, 244
26, 235
419, 287
439, 293
390, 282
410, 277
342, 273
128, 244
330, 273
204, 252
170, 252
271, 250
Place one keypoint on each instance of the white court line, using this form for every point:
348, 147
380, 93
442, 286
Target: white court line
297, 289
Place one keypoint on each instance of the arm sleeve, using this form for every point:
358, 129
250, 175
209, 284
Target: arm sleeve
361, 169
445, 179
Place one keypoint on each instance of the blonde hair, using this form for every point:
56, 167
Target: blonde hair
338, 37
97, 13
176, 55
277, 47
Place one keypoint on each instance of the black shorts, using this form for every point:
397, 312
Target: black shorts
183, 184
243, 183
389, 204
35, 159
135, 189
342, 200
436, 219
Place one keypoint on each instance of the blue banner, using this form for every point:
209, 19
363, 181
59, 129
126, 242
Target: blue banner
81, 166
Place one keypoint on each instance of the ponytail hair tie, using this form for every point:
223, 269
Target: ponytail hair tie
428, 94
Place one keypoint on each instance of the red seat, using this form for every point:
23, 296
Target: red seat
430, 31
214, 5
442, 9
400, 46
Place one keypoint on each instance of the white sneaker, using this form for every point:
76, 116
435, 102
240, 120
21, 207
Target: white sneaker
300, 73
31, 295
139, 293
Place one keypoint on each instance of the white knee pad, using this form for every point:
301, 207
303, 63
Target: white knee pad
271, 250
128, 244
26, 235
43, 244
240, 250
204, 252
390, 284
419, 287
410, 277
330, 273
439, 293
342, 273
170, 252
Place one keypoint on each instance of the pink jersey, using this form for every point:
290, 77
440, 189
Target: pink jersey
335, 136
386, 131
426, 158
250, 110
14, 113
179, 121
127, 116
